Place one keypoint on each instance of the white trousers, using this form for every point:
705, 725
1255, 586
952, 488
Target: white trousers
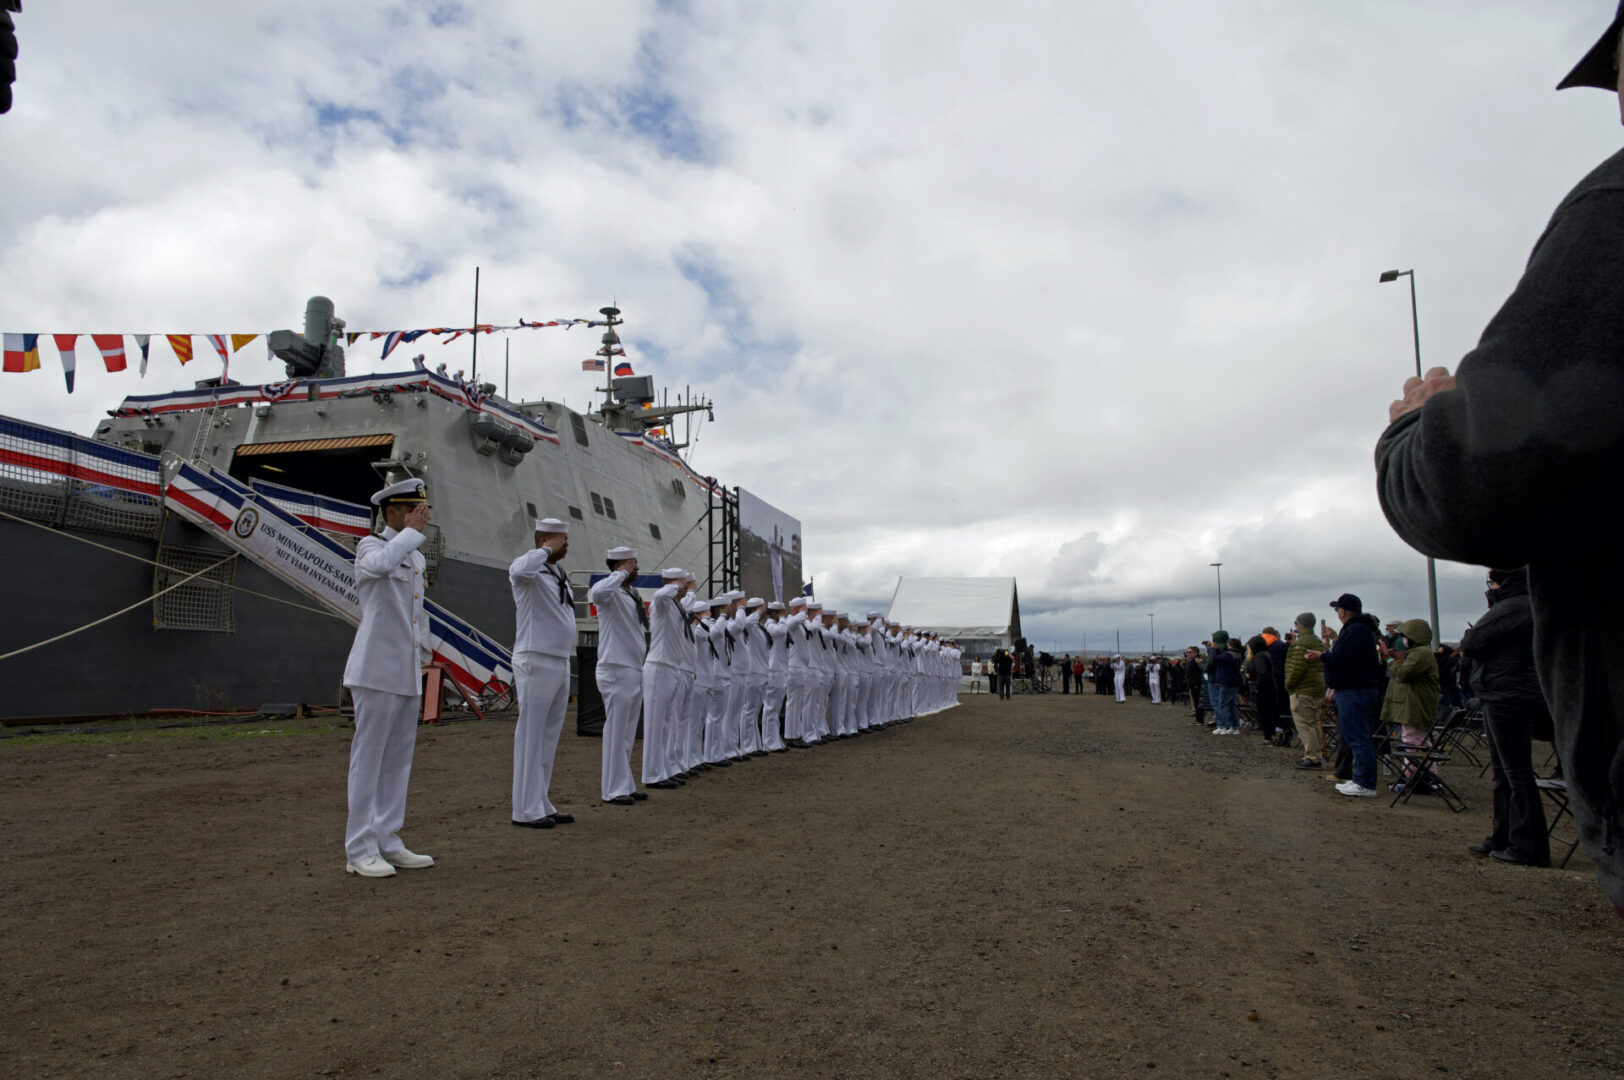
544, 693
715, 724
795, 704
772, 704
380, 767
622, 690
662, 692
681, 722
1121, 683
750, 734
738, 693
698, 709
1155, 689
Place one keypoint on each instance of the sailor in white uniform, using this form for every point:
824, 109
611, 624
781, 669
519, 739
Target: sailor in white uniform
669, 634
619, 671
753, 644
698, 699
542, 645
777, 628
1120, 666
797, 685
1153, 671
384, 674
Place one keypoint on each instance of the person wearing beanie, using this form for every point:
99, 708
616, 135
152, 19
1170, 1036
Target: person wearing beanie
1305, 686
1223, 668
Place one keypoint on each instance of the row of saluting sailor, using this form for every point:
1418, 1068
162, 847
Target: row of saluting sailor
710, 678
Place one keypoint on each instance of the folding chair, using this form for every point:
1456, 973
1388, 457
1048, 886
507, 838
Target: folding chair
1330, 732
1461, 734
1423, 762
1556, 792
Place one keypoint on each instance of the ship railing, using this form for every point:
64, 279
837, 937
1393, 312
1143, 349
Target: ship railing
67, 481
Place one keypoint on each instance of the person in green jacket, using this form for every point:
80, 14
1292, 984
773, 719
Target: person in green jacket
1305, 685
1412, 695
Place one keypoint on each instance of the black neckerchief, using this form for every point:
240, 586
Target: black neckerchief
565, 595
687, 623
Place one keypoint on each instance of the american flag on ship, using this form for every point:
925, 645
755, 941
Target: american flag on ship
279, 391
592, 365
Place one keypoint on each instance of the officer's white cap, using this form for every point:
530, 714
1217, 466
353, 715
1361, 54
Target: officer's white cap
551, 525
616, 554
674, 573
406, 491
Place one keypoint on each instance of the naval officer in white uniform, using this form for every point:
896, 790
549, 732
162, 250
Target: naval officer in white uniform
619, 672
384, 674
670, 634
542, 645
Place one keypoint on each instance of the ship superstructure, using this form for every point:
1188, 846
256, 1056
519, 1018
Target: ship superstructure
238, 637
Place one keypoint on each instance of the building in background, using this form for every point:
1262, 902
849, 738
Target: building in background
982, 614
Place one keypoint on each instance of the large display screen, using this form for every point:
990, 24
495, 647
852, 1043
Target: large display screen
769, 550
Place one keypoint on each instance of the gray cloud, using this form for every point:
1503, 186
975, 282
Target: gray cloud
1085, 294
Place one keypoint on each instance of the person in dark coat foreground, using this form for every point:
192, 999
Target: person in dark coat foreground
1507, 464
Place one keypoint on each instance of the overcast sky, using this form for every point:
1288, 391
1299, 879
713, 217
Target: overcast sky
1083, 293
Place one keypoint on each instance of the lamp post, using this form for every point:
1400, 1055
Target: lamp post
1217, 566
1152, 616
1415, 328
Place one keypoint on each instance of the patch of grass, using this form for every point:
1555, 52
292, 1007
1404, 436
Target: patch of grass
123, 736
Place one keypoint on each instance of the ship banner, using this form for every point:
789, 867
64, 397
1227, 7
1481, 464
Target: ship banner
254, 524
769, 549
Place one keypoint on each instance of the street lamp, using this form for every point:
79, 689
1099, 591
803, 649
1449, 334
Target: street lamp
1152, 616
1415, 327
1216, 566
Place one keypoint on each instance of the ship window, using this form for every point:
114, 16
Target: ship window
597, 503
680, 488
654, 530
579, 426
530, 506
575, 512
609, 506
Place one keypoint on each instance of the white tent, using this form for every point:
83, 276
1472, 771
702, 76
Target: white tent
980, 613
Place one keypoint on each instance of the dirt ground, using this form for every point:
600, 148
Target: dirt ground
1048, 887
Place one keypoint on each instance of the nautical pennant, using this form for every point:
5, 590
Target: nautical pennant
143, 340
182, 344
112, 350
219, 343
239, 340
21, 352
70, 359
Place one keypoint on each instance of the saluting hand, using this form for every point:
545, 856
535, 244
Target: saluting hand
417, 517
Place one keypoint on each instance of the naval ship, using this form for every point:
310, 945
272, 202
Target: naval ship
88, 526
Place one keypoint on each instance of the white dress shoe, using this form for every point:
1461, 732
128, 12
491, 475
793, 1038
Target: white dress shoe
371, 866
407, 860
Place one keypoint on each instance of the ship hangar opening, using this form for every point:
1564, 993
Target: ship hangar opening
339, 468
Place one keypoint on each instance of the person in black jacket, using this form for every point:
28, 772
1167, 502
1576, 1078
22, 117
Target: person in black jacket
1261, 689
1501, 650
1504, 463
1354, 672
1002, 664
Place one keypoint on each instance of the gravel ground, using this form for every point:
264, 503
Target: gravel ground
1047, 887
